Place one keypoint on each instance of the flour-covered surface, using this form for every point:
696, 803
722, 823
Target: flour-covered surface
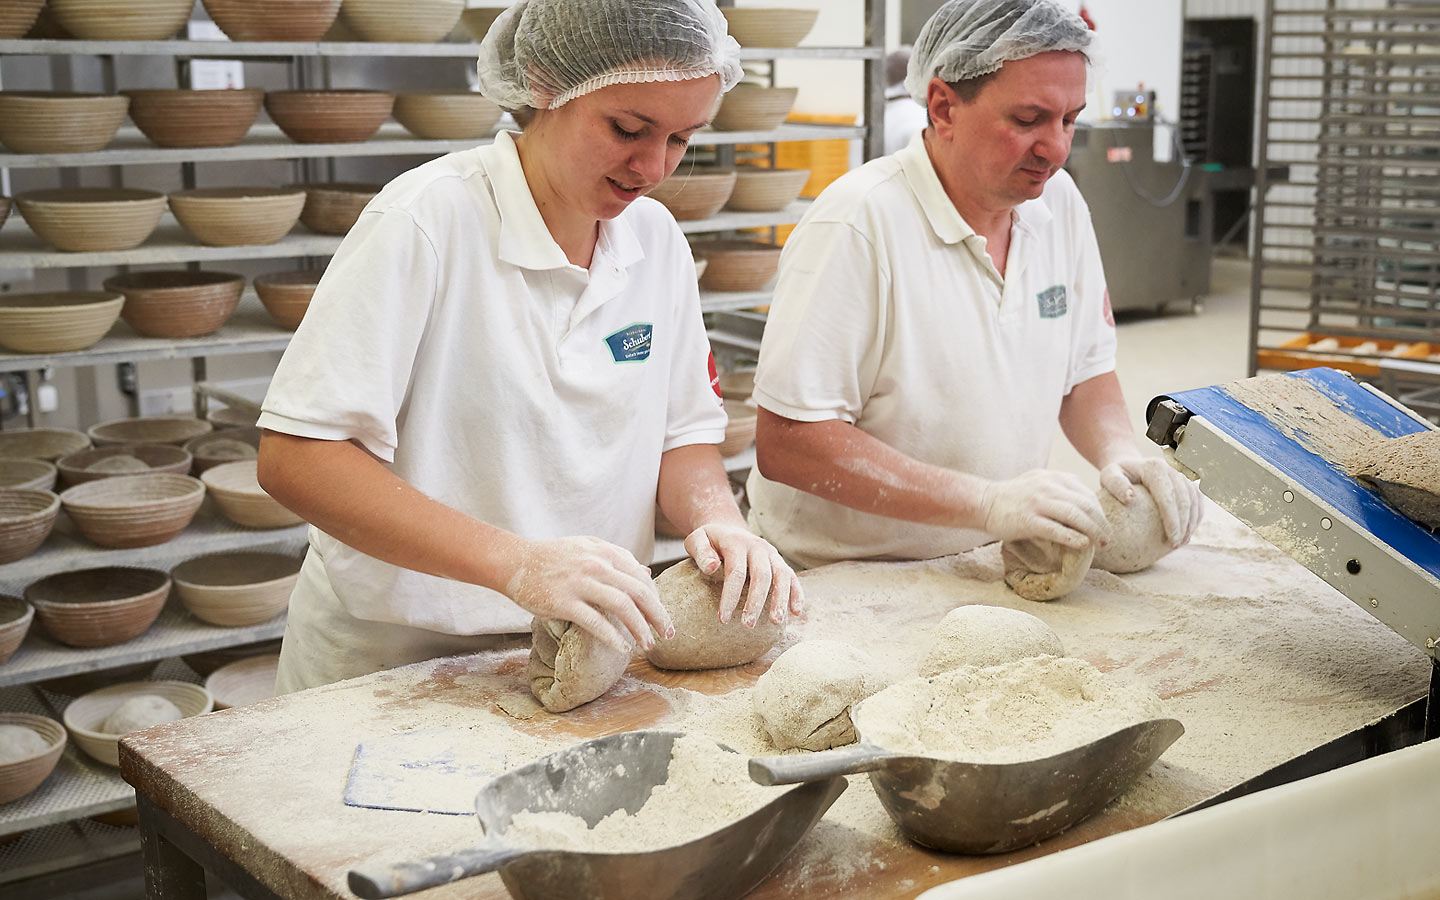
1260, 659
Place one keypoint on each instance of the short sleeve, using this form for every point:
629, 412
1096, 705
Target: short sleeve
347, 371
1093, 350
694, 413
821, 350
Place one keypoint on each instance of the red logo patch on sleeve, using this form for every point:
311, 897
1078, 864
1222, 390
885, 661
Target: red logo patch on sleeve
715, 377
1109, 313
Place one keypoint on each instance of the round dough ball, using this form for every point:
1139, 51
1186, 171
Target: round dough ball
700, 641
570, 666
1137, 533
229, 448
121, 462
140, 711
804, 699
18, 742
988, 636
1041, 570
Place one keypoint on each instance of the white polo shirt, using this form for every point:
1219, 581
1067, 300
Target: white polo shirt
889, 315
453, 340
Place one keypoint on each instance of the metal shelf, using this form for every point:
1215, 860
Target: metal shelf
53, 848
728, 220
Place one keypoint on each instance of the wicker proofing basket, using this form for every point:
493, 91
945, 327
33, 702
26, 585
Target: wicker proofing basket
695, 192
236, 488
737, 265
122, 20
238, 217
60, 322
26, 518
177, 303
86, 714
59, 121
92, 219
48, 444
769, 26
27, 475
16, 17
15, 618
134, 510
415, 21
24, 775
286, 295
149, 430
478, 19
334, 207
335, 116
273, 20
99, 607
234, 589
245, 681
447, 115
232, 417
750, 107
739, 430
225, 446
766, 190
93, 465
184, 118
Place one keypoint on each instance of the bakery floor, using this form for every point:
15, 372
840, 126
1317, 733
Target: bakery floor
1157, 354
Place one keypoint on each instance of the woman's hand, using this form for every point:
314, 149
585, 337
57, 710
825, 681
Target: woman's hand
746, 557
589, 581
1176, 497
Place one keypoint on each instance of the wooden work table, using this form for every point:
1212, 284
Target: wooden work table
1258, 658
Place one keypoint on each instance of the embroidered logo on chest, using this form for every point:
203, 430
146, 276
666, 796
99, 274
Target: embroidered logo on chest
631, 343
1052, 302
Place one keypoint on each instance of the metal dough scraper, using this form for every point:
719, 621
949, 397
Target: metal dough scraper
428, 771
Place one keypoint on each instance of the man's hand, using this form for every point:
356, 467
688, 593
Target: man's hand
1176, 497
745, 555
1046, 505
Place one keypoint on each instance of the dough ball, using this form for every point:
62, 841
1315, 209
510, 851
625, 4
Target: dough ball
988, 636
18, 742
1406, 472
804, 699
700, 641
121, 462
140, 711
228, 448
570, 666
1137, 533
1041, 570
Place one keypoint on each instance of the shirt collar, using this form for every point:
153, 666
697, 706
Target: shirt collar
945, 220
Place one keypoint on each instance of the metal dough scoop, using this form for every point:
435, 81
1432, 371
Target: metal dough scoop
592, 780
986, 807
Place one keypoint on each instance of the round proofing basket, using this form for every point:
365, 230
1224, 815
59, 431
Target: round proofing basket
737, 265
80, 220
103, 462
225, 446
233, 417
27, 475
59, 121
273, 20
695, 192
478, 19
737, 386
177, 303
750, 107
22, 776
333, 208
766, 190
245, 681
133, 510
148, 430
48, 444
26, 519
769, 27
98, 607
122, 20
286, 295
57, 322
16, 17
739, 430
422, 21
15, 618
208, 661
234, 589
236, 489
324, 117
447, 116
238, 217
86, 714
184, 118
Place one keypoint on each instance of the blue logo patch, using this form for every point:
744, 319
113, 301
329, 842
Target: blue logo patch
631, 343
1052, 302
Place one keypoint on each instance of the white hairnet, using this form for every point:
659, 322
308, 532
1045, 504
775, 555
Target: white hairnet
969, 38
545, 53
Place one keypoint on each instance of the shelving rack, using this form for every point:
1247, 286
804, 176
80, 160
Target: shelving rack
1347, 267
56, 832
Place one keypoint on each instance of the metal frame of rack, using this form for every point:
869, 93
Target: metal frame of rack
1347, 256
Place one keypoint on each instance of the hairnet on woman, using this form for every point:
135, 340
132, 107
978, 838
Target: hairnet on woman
504, 368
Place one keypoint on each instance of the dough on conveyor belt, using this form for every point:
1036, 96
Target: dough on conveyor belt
1406, 472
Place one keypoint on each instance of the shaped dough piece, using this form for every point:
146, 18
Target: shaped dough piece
700, 641
988, 636
18, 742
1406, 472
140, 711
1041, 570
804, 699
1137, 533
570, 666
